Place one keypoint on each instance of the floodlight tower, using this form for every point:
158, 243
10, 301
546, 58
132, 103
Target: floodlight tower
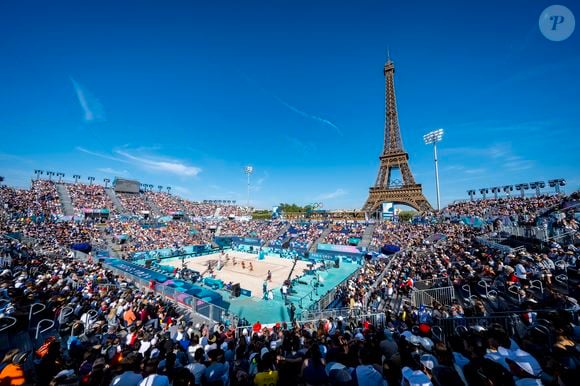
248, 170
556, 183
483, 192
508, 189
471, 193
538, 185
434, 137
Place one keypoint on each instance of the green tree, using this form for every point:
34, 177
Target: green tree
406, 215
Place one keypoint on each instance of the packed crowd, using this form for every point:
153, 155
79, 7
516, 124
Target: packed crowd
345, 232
134, 236
40, 200
113, 333
195, 209
134, 203
302, 234
520, 210
88, 197
166, 202
264, 229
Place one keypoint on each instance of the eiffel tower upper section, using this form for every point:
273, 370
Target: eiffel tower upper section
394, 157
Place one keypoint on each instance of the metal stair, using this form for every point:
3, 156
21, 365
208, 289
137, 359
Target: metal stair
65, 200
367, 236
155, 210
116, 203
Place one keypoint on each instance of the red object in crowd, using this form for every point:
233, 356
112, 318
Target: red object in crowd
257, 327
151, 284
424, 328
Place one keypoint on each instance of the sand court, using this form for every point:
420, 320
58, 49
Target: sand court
236, 269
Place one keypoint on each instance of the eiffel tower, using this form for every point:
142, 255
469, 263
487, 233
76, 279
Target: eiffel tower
394, 157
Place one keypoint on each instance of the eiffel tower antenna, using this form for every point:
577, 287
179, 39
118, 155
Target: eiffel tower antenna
394, 157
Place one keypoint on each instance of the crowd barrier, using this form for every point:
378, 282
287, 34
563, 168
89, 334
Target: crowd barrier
379, 279
352, 321
432, 296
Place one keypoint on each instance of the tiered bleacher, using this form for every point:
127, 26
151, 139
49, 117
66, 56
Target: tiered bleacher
300, 235
88, 198
345, 233
453, 306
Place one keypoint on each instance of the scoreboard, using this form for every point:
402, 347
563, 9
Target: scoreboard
123, 185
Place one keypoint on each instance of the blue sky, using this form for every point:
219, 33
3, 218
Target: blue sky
185, 93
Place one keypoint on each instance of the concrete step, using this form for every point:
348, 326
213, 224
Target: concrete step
324, 233
367, 236
116, 203
65, 199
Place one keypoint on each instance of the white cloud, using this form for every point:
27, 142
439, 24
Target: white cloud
332, 195
148, 163
290, 107
92, 108
169, 166
307, 115
116, 172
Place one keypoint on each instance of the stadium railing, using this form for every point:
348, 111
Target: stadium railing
376, 319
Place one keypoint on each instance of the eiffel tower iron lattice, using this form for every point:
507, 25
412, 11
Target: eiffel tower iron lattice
394, 157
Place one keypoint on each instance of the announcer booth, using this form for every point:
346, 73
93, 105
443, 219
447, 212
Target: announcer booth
177, 215
96, 214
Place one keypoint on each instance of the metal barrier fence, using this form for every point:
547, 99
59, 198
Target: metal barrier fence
332, 313
379, 279
432, 283
429, 297
444, 328
376, 319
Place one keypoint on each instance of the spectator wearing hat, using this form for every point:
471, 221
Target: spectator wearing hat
366, 373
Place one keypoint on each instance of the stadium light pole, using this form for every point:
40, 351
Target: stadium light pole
106, 181
434, 137
60, 175
160, 187
556, 183
49, 174
38, 173
508, 189
471, 193
76, 177
483, 192
248, 170
537, 185
168, 189
91, 179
